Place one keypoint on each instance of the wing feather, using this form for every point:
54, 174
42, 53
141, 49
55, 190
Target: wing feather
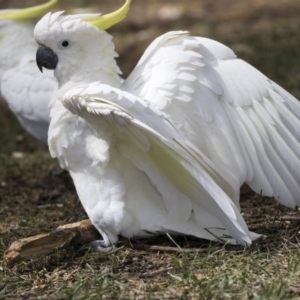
28, 93
248, 126
264, 114
164, 158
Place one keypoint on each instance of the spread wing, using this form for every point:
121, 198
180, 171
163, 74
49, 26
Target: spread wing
144, 137
28, 93
246, 124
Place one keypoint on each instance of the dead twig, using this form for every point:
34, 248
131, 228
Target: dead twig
155, 248
70, 234
290, 218
156, 272
75, 233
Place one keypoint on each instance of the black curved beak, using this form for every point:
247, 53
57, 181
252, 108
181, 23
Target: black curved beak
46, 58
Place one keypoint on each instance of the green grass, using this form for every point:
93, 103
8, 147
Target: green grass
216, 274
33, 200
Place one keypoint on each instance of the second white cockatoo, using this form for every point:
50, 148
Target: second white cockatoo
24, 88
168, 149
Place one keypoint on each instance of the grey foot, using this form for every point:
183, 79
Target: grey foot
99, 245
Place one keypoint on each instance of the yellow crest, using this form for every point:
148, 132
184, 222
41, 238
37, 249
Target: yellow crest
28, 13
106, 21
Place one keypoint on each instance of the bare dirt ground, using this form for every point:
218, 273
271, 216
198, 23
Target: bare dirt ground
33, 200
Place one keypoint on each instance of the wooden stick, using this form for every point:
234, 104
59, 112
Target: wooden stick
290, 218
70, 234
155, 248
39, 245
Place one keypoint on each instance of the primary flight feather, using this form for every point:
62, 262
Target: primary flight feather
167, 149
24, 88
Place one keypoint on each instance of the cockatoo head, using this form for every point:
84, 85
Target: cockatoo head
16, 33
76, 45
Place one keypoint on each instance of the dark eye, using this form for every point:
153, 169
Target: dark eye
64, 44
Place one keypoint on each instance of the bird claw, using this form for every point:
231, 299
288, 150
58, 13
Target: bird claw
99, 245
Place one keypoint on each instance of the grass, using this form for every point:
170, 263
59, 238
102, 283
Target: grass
33, 200
219, 273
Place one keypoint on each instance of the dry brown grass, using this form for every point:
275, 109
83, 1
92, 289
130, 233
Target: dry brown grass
266, 34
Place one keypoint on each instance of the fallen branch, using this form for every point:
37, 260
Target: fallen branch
155, 248
39, 245
71, 234
290, 218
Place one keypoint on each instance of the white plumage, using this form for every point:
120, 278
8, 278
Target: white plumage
23, 87
167, 149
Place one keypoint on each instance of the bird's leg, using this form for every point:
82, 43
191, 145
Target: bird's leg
100, 245
107, 242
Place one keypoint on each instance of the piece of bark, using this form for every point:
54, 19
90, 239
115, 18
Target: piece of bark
75, 233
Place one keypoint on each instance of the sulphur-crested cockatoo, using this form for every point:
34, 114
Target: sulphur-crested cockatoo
24, 88
167, 149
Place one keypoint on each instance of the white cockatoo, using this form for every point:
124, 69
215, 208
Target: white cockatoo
167, 149
24, 88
